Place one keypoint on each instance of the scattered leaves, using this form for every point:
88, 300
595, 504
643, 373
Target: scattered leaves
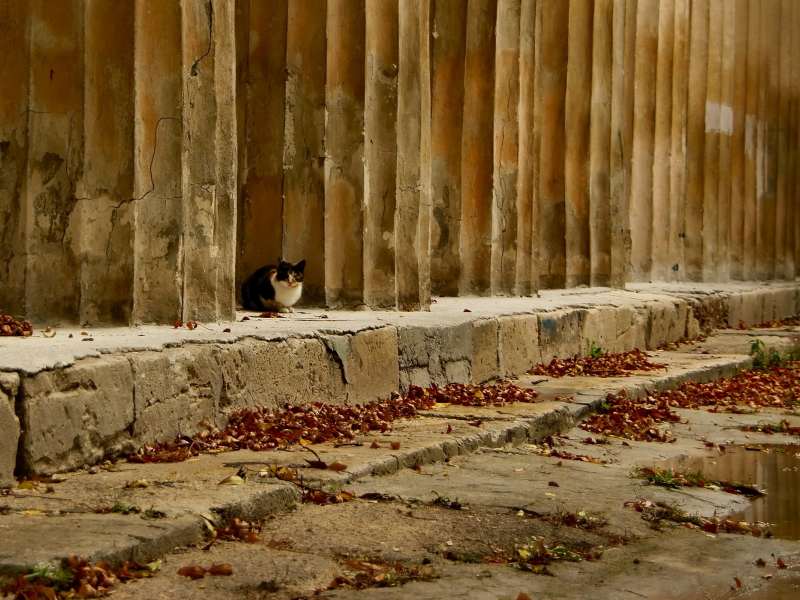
379, 573
498, 394
634, 419
608, 364
674, 479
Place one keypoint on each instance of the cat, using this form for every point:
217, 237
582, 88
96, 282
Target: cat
274, 289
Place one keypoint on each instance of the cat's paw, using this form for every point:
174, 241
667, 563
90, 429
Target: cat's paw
286, 309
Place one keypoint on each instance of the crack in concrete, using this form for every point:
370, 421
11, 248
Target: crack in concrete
210, 11
152, 159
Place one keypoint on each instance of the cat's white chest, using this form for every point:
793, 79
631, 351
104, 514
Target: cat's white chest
285, 295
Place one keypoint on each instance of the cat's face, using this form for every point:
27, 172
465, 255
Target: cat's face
289, 274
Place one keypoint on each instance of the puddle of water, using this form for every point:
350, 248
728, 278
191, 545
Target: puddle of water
773, 468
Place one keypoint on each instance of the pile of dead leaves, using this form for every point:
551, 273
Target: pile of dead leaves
78, 580
261, 428
379, 573
793, 321
655, 513
498, 394
634, 419
538, 553
609, 364
10, 326
774, 387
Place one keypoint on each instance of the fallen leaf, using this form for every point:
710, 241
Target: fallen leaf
84, 333
253, 537
375, 445
177, 324
467, 310
552, 484
767, 576
518, 470
781, 564
523, 597
192, 572
449, 429
738, 582
221, 570
139, 483
232, 480
395, 445
70, 335
87, 340
337, 466
226, 330
87, 591
49, 336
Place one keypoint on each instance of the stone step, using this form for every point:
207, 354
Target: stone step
70, 402
48, 527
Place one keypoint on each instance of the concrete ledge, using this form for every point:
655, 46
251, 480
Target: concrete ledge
79, 402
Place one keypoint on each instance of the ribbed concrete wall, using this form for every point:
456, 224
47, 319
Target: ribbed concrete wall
153, 153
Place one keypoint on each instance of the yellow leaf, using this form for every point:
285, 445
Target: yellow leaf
232, 480
305, 442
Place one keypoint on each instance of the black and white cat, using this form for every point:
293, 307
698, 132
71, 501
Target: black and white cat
274, 289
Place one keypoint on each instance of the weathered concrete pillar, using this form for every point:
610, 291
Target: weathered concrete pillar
677, 182
477, 149
106, 194
412, 226
505, 216
304, 144
739, 106
157, 163
696, 138
751, 136
794, 168
711, 165
641, 202
380, 130
784, 263
55, 160
769, 98
623, 58
261, 201
15, 47
552, 216
527, 280
726, 119
209, 166
600, 143
344, 146
447, 91
662, 143
577, 118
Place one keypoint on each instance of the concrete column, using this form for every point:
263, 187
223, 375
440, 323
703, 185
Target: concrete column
577, 118
726, 118
552, 216
55, 160
344, 146
794, 167
412, 225
106, 193
380, 130
662, 143
711, 175
261, 201
209, 165
623, 57
769, 99
526, 282
641, 202
784, 263
677, 182
15, 47
739, 101
477, 155
447, 96
157, 163
536, 150
506, 149
751, 136
696, 138
600, 143
304, 144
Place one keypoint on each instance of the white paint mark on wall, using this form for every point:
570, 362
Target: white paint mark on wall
719, 118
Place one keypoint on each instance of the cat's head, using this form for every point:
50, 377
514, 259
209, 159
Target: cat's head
291, 275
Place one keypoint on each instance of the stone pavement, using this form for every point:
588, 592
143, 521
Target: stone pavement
36, 528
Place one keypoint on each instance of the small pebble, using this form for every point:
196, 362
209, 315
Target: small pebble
94, 471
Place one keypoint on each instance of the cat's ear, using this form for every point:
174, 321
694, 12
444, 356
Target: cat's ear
300, 267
